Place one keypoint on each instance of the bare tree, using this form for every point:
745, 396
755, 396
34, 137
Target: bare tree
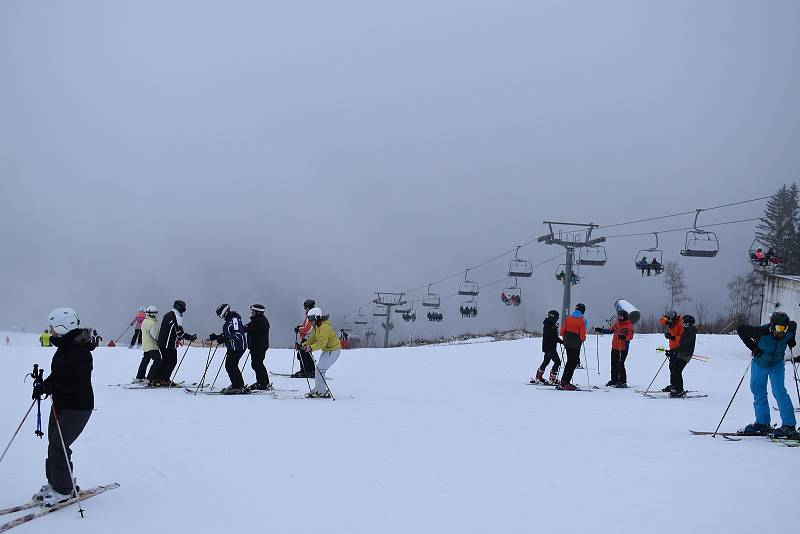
675, 283
744, 293
700, 313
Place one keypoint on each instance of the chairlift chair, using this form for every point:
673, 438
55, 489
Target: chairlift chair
467, 287
592, 256
435, 315
379, 311
468, 308
648, 255
410, 316
561, 271
511, 296
431, 300
700, 243
520, 268
403, 307
768, 259
361, 318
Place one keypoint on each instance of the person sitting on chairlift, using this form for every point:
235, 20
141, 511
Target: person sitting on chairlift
643, 265
656, 266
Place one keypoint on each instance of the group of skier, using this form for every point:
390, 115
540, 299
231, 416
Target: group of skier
767, 343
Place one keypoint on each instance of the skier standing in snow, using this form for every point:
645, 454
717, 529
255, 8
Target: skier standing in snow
305, 358
137, 332
44, 338
149, 346
550, 342
258, 343
322, 337
620, 343
680, 356
673, 323
235, 339
169, 334
70, 385
768, 346
573, 332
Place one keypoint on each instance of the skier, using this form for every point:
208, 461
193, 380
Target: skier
620, 343
768, 344
137, 332
235, 339
674, 325
44, 338
573, 332
306, 360
322, 337
149, 346
258, 342
70, 385
550, 342
169, 334
680, 356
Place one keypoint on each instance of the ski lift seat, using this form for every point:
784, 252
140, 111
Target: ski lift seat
468, 288
520, 269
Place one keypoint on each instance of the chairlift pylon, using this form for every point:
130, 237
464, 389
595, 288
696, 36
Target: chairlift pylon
700, 243
650, 260
467, 287
520, 268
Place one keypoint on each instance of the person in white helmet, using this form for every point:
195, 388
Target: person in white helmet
322, 337
70, 385
149, 345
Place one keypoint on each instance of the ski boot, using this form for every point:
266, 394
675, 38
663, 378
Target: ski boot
755, 429
539, 378
667, 389
622, 385
785, 432
302, 374
677, 394
260, 387
553, 377
230, 390
610, 384
44, 490
566, 386
52, 497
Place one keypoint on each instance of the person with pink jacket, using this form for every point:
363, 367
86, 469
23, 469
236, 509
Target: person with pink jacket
137, 334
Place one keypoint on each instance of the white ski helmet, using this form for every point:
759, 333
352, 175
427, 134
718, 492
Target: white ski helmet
63, 320
151, 311
314, 312
141, 308
222, 309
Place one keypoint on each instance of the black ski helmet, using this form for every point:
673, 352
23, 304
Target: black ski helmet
623, 314
688, 320
553, 314
671, 315
180, 306
222, 310
309, 303
581, 307
779, 318
258, 308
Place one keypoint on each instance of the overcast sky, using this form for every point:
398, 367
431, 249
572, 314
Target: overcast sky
269, 152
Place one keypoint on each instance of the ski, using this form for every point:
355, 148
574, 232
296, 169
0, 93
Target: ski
648, 396
26, 506
658, 391
703, 433
777, 409
44, 510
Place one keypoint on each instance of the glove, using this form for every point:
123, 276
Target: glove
623, 337
671, 338
213, 337
191, 337
758, 352
41, 390
598, 330
671, 353
297, 346
296, 329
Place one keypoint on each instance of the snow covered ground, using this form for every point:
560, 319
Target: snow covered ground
435, 439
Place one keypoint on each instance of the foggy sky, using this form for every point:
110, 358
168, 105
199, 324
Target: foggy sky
268, 152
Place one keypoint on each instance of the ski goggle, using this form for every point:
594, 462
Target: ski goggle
780, 328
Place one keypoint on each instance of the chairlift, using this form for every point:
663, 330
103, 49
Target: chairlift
511, 296
403, 307
762, 256
435, 315
700, 243
467, 287
410, 316
379, 311
592, 256
561, 274
361, 318
520, 268
650, 260
431, 300
468, 308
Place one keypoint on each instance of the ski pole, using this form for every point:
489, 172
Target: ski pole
245, 361
122, 334
66, 459
17, 431
209, 359
295, 355
179, 364
714, 435
654, 378
597, 350
588, 383
218, 372
796, 385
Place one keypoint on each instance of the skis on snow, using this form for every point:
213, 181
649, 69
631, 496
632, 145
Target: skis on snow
44, 510
736, 436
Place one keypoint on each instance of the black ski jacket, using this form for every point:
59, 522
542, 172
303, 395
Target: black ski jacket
550, 339
170, 331
258, 333
685, 350
70, 380
233, 333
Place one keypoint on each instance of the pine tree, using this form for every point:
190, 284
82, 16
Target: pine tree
777, 229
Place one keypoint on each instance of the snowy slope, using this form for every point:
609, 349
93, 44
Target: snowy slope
436, 439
